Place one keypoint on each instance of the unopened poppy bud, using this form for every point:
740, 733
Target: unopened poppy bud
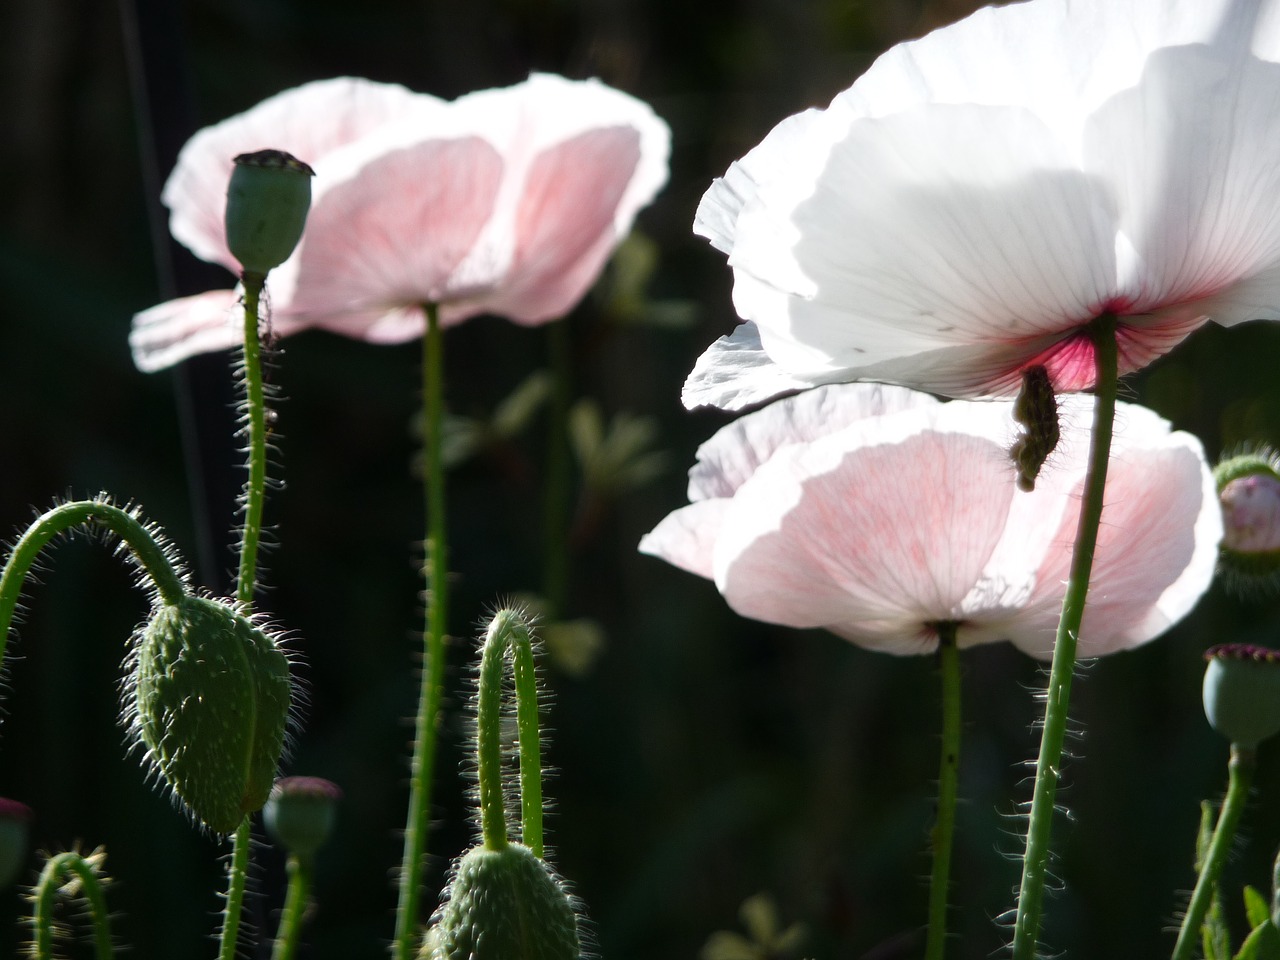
208, 700
504, 905
1242, 692
1249, 492
15, 820
300, 813
267, 202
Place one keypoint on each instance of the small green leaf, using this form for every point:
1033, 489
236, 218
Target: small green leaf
1262, 944
1256, 908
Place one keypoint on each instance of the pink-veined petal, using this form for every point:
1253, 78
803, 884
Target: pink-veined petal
734, 452
309, 122
686, 537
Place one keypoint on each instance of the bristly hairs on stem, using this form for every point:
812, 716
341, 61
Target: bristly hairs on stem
75, 877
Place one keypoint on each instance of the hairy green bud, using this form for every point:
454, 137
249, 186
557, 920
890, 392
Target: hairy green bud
268, 198
208, 699
504, 905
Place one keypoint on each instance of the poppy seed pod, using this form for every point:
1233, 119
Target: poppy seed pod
208, 699
504, 905
300, 813
1242, 692
268, 197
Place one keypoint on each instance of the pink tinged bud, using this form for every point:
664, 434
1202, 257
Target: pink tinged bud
1242, 692
300, 813
1251, 514
15, 820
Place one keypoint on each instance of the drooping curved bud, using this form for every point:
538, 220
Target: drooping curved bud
1242, 692
504, 905
208, 699
300, 813
268, 198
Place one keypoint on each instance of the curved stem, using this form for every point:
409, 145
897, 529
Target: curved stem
432, 687
153, 556
555, 563
508, 632
948, 792
237, 875
52, 877
295, 908
1240, 771
256, 433
1035, 863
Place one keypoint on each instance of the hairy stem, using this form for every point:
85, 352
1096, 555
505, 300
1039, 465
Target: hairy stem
432, 687
1240, 772
1035, 862
55, 874
237, 876
152, 556
948, 792
295, 908
256, 436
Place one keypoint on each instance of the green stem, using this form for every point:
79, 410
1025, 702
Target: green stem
508, 632
52, 878
152, 554
1240, 771
948, 792
295, 908
1035, 863
432, 687
555, 565
237, 875
246, 577
256, 435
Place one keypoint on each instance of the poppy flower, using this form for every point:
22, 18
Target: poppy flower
503, 201
878, 513
979, 196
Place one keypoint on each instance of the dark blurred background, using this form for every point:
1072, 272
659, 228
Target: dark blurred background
702, 758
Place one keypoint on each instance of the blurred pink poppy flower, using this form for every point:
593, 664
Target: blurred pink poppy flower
980, 195
877, 512
503, 201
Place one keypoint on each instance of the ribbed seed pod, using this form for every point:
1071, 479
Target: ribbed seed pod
208, 699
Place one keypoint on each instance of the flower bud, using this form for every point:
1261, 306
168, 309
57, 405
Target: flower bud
267, 202
208, 699
15, 821
1242, 692
300, 813
504, 905
1249, 492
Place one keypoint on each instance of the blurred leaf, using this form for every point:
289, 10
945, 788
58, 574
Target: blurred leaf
1262, 944
623, 291
617, 459
519, 407
574, 645
724, 945
1256, 908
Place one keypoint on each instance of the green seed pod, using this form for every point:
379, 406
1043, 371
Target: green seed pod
300, 813
208, 700
267, 202
504, 905
1242, 692
15, 821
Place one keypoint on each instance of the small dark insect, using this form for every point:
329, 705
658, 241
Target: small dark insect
1037, 410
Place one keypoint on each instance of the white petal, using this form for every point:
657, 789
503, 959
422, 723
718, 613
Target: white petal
686, 537
177, 329
733, 453
735, 372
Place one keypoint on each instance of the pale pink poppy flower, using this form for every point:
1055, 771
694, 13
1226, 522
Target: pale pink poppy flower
504, 201
976, 198
876, 513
